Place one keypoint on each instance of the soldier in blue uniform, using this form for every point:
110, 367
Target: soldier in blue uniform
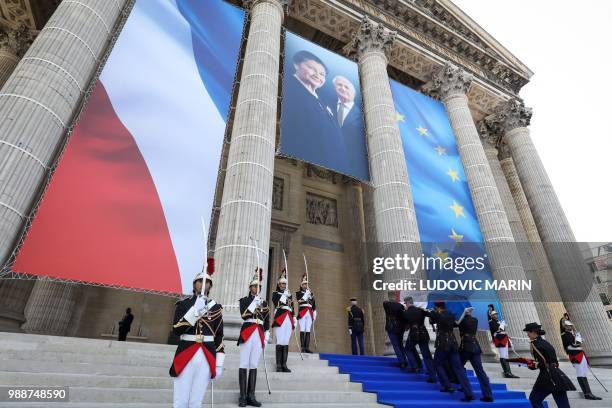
254, 334
418, 335
447, 351
200, 354
394, 325
551, 379
356, 326
470, 351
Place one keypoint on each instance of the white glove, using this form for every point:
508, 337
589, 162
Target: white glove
259, 300
502, 325
267, 336
306, 295
314, 315
578, 337
283, 299
286, 293
200, 304
219, 372
350, 332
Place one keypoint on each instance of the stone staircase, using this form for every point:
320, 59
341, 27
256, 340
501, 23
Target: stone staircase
107, 373
528, 377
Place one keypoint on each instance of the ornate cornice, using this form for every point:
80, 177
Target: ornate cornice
16, 41
370, 37
447, 81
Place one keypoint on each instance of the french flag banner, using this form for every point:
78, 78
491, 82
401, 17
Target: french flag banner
126, 203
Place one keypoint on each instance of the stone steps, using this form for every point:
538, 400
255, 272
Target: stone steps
103, 373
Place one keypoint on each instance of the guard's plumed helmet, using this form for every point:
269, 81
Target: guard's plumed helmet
304, 279
210, 270
257, 277
568, 325
283, 276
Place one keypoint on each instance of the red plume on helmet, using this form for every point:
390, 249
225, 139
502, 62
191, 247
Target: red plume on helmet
210, 266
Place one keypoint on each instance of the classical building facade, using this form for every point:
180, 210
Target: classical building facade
428, 45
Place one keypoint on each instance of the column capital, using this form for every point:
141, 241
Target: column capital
249, 4
16, 41
488, 133
448, 81
514, 114
371, 37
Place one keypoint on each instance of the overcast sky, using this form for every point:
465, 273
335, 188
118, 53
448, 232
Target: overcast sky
567, 45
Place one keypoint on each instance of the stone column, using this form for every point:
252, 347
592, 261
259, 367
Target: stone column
13, 44
451, 85
50, 308
38, 103
247, 191
573, 278
543, 290
396, 226
551, 298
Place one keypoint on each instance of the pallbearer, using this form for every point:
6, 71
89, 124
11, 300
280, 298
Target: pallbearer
572, 343
356, 326
501, 341
254, 334
470, 351
284, 322
307, 313
200, 354
418, 336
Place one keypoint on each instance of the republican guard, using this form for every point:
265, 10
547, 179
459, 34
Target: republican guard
356, 326
501, 341
307, 313
284, 322
572, 343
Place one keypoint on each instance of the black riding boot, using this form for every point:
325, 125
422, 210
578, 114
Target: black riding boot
307, 343
242, 380
303, 341
506, 366
251, 390
285, 356
586, 389
279, 359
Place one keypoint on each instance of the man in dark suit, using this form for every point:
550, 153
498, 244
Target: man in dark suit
125, 324
308, 127
347, 112
356, 326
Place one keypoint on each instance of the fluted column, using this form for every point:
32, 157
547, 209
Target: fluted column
534, 272
50, 308
247, 192
573, 278
13, 44
451, 85
551, 297
396, 226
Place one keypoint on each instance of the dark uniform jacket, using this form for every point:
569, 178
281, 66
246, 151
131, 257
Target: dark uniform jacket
394, 321
284, 308
500, 338
467, 329
414, 319
551, 378
126, 323
356, 319
258, 320
210, 325
572, 348
303, 307
445, 323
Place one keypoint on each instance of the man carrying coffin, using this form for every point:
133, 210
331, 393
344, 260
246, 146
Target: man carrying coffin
199, 356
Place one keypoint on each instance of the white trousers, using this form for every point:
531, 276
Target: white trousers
283, 333
503, 352
190, 386
305, 322
582, 369
250, 351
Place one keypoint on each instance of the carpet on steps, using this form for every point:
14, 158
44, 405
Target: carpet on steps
382, 376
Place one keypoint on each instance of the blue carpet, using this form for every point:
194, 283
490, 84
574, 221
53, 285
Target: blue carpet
382, 375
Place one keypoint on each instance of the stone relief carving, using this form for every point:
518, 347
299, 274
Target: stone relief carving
17, 13
319, 173
16, 41
321, 210
277, 193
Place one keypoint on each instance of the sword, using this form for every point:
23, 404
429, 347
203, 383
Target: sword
294, 329
593, 374
314, 333
212, 393
258, 293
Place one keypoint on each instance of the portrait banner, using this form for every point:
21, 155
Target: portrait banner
321, 118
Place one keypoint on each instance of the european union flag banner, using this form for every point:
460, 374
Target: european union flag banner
446, 217
126, 204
